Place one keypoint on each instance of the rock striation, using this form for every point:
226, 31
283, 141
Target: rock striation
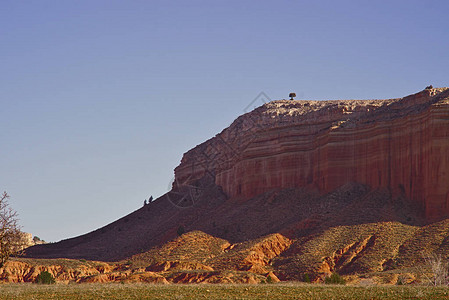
401, 145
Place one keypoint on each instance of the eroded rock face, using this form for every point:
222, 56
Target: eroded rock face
399, 144
63, 270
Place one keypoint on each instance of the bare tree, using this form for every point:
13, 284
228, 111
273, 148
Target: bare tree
11, 238
439, 267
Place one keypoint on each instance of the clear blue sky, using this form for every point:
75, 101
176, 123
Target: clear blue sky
100, 99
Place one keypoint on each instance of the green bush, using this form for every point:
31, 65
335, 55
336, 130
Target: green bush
45, 278
306, 278
334, 279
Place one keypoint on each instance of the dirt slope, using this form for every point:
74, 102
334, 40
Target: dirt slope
291, 212
284, 234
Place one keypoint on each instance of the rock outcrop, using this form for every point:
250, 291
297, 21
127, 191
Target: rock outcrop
399, 144
29, 240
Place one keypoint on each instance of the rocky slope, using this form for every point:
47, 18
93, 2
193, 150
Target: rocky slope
382, 252
292, 188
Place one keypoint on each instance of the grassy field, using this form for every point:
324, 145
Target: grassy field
219, 291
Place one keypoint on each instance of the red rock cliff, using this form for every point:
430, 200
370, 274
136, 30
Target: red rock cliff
400, 144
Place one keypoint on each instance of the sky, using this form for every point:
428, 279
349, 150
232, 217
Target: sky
100, 99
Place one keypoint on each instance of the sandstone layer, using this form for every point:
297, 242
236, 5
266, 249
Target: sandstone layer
399, 144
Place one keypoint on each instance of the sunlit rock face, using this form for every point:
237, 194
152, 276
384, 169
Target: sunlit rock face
398, 144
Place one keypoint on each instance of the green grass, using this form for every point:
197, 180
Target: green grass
219, 291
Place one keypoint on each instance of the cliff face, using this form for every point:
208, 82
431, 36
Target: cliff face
398, 144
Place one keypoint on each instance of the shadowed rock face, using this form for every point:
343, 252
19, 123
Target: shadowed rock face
398, 144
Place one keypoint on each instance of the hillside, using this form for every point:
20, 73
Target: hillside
294, 187
383, 252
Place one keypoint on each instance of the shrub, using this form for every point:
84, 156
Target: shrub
180, 230
334, 279
45, 278
306, 278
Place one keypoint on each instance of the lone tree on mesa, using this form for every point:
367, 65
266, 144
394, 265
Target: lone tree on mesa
11, 239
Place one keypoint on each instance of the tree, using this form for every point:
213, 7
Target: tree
439, 267
180, 230
11, 238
